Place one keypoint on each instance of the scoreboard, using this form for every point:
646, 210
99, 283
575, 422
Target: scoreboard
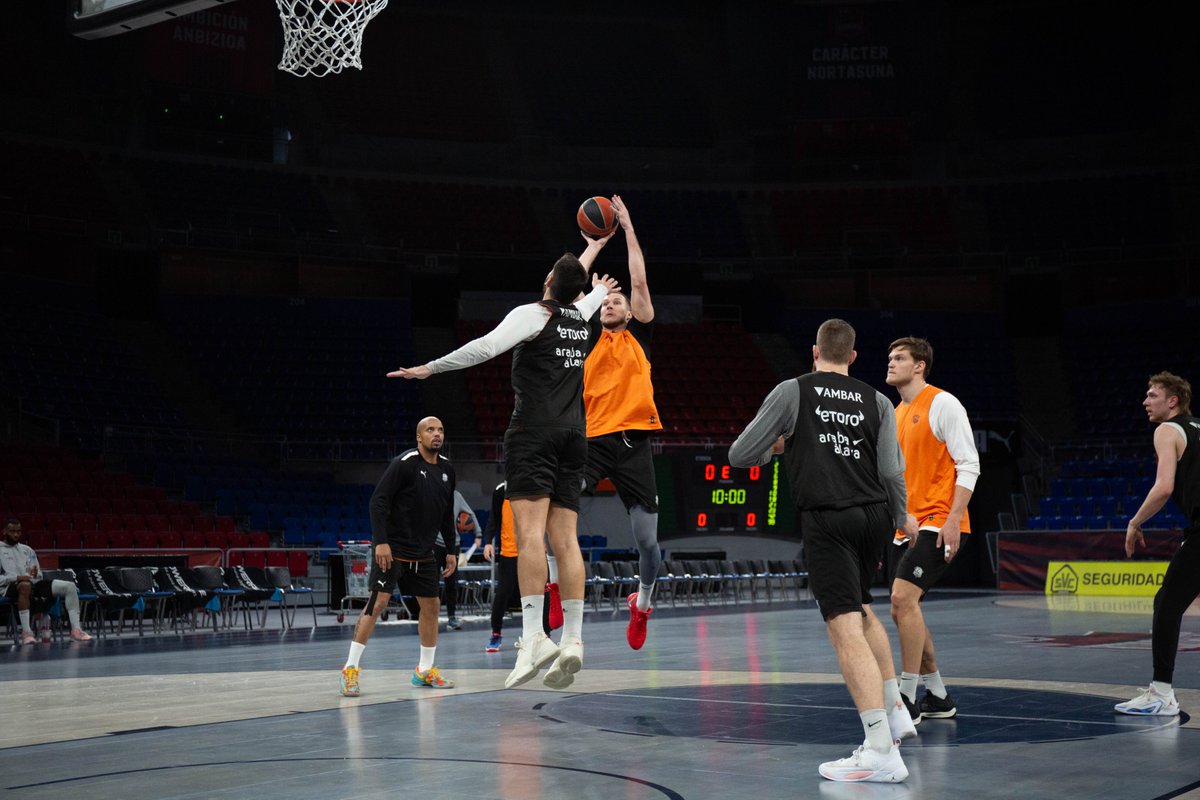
718, 498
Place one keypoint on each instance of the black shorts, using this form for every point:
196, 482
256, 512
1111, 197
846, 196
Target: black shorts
624, 458
418, 578
843, 548
40, 591
924, 562
545, 461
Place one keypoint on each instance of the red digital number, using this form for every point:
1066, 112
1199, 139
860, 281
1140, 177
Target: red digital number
702, 520
725, 472
710, 472
754, 472
751, 519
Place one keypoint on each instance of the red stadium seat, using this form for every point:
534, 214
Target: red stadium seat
181, 522
120, 539
298, 563
145, 540
202, 522
94, 540
171, 540
67, 539
193, 540
156, 522
134, 522
83, 521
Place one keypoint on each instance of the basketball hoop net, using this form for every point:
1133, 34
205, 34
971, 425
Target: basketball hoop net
322, 37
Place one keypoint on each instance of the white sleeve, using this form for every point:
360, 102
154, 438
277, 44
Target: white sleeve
522, 324
949, 423
589, 304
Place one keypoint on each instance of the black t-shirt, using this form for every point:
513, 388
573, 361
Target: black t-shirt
547, 372
413, 501
832, 456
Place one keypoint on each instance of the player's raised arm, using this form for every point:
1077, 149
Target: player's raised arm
639, 289
521, 324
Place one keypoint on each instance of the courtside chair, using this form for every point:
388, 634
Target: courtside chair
281, 578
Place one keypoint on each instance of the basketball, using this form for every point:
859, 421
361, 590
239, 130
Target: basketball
596, 217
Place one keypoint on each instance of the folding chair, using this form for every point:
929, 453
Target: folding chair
109, 598
212, 580
281, 579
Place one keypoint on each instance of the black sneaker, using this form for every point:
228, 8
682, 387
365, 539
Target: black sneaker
913, 710
936, 707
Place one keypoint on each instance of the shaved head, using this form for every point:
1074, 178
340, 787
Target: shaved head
426, 422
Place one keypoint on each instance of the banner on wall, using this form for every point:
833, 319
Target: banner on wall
1105, 578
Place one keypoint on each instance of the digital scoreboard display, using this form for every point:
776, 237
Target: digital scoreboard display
718, 498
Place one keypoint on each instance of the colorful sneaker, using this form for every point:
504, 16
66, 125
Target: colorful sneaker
431, 678
934, 707
1150, 704
493, 645
350, 682
27, 637
901, 722
80, 635
454, 624
531, 657
914, 710
570, 661
865, 764
635, 631
556, 614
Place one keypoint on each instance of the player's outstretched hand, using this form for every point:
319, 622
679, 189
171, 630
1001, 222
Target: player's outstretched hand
611, 283
420, 373
622, 213
598, 241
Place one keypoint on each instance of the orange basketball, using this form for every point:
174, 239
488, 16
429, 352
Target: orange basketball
596, 217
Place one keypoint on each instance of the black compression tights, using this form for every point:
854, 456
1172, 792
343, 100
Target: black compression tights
1179, 588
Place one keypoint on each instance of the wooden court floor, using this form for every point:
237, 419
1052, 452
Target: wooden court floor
722, 702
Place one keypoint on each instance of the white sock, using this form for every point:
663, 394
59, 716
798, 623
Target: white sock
572, 621
1161, 688
645, 595
552, 567
44, 623
70, 595
875, 725
908, 686
356, 651
24, 615
933, 682
891, 693
426, 662
531, 616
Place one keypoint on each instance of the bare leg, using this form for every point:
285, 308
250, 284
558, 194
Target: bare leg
857, 661
928, 655
910, 624
529, 518
877, 640
366, 621
561, 526
427, 623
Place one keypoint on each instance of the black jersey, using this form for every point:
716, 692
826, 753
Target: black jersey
832, 456
412, 503
547, 372
1187, 472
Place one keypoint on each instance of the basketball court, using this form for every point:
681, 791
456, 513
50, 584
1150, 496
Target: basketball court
737, 701
720, 702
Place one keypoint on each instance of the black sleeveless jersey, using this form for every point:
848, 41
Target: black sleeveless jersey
1187, 472
547, 372
832, 455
